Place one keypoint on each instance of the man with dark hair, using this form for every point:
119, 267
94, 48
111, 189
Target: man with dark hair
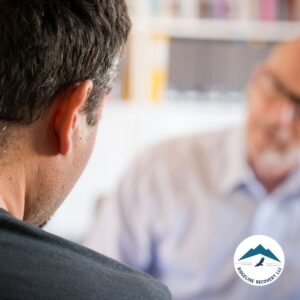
57, 63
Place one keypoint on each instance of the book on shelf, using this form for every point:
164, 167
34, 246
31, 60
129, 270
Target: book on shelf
264, 10
188, 8
221, 9
205, 9
269, 10
293, 9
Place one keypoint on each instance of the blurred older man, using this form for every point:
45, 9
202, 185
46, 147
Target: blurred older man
185, 205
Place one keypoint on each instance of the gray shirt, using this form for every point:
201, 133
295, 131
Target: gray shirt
37, 265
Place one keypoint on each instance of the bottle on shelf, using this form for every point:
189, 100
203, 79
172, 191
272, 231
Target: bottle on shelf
159, 52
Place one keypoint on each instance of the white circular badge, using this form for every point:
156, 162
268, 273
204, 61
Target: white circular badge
259, 260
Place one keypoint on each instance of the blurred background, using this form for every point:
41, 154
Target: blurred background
185, 70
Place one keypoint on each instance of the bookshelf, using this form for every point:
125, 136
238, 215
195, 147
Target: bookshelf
156, 23
211, 29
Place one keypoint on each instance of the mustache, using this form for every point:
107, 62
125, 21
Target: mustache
282, 136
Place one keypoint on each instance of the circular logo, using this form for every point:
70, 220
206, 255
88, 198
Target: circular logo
259, 260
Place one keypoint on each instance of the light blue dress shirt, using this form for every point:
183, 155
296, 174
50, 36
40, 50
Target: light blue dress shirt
183, 209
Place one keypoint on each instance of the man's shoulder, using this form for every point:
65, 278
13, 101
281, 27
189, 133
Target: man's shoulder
29, 254
199, 141
204, 160
203, 149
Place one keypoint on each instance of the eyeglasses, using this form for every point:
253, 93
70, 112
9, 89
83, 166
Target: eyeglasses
273, 88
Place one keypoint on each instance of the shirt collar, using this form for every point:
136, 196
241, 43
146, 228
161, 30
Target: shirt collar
237, 170
290, 186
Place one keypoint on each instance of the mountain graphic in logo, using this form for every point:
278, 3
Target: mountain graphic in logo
259, 250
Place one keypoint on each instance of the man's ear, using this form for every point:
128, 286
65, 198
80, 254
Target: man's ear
69, 104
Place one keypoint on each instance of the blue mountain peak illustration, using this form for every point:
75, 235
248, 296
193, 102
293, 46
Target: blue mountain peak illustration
259, 250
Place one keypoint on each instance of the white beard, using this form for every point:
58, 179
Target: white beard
272, 162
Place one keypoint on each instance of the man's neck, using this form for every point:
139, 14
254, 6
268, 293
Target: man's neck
12, 192
3, 204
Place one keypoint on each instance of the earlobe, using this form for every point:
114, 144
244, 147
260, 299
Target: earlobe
69, 104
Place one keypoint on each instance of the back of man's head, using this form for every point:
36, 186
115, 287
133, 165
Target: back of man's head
47, 45
58, 59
